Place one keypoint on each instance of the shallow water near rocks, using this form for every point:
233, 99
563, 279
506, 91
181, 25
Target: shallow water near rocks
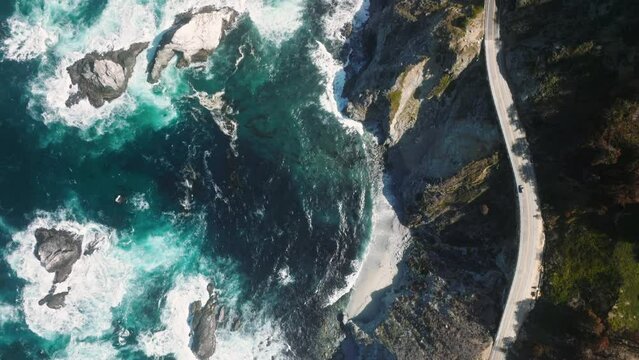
277, 214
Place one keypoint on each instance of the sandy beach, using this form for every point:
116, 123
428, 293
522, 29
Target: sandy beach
380, 263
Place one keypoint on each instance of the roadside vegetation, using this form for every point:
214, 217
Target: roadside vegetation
575, 82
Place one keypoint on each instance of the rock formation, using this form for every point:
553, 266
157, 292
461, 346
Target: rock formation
193, 37
53, 300
203, 324
57, 251
103, 77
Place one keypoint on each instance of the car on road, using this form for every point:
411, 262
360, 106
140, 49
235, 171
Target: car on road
520, 188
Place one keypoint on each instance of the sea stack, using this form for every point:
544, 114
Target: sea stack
102, 77
193, 37
57, 251
203, 325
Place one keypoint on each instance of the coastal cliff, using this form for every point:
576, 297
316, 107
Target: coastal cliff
422, 87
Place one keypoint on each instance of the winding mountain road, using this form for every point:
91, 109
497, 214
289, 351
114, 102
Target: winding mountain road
531, 236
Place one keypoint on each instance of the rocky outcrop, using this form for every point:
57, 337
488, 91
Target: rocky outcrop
203, 324
192, 38
53, 300
102, 77
413, 51
57, 251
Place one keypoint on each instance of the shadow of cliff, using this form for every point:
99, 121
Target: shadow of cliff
522, 311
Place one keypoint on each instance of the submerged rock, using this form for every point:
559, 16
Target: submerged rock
103, 76
237, 324
57, 251
203, 324
193, 37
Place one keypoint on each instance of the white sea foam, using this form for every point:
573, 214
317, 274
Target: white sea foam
8, 314
139, 202
276, 21
52, 86
249, 342
341, 13
221, 113
332, 100
102, 350
38, 29
284, 276
350, 280
97, 282
27, 41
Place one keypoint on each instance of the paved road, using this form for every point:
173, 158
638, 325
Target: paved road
531, 236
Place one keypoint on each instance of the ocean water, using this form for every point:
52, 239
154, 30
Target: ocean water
243, 172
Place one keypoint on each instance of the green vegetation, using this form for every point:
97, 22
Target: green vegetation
458, 190
439, 89
571, 52
549, 87
625, 313
476, 10
473, 12
584, 265
412, 10
394, 97
571, 68
623, 124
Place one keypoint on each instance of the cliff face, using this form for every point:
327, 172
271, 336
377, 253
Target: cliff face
573, 67
423, 85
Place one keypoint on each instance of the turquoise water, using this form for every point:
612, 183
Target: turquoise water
276, 215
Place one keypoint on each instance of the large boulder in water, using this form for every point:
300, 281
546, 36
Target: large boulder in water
203, 324
57, 251
53, 300
193, 37
103, 76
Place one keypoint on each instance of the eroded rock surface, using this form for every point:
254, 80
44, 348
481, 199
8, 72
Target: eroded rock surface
102, 77
203, 324
193, 37
57, 251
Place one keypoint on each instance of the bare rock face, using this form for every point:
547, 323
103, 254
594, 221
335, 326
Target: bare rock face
193, 37
57, 251
103, 77
53, 300
203, 325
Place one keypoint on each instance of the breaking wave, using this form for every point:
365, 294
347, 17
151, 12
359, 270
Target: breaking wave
255, 339
88, 305
45, 31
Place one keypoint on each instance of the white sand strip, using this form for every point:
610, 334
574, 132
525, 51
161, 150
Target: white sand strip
382, 256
